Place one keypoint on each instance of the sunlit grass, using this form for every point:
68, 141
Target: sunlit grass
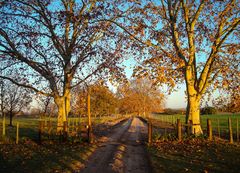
221, 119
29, 127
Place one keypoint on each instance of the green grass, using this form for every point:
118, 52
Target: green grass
221, 119
29, 127
194, 156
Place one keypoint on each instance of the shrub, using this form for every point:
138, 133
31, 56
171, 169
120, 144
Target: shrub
170, 111
208, 110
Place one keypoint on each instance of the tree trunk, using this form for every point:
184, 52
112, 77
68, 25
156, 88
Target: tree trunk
194, 97
193, 114
63, 104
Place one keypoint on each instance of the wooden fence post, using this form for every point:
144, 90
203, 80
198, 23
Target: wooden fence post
49, 124
237, 131
75, 122
179, 130
149, 132
4, 125
89, 130
230, 130
65, 130
189, 127
40, 131
17, 133
89, 115
219, 132
209, 129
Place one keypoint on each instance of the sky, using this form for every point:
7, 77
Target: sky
174, 100
177, 99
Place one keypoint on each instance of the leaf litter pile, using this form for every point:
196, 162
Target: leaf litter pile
195, 155
31, 157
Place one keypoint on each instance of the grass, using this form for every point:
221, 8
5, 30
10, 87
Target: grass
195, 155
218, 120
28, 127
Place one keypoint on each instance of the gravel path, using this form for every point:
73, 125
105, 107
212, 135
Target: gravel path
121, 151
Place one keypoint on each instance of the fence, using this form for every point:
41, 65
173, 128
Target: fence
224, 127
73, 130
40, 130
46, 130
5, 131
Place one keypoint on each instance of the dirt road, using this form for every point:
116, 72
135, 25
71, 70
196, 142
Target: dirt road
122, 151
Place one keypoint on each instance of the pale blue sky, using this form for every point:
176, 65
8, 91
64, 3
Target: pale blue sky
177, 99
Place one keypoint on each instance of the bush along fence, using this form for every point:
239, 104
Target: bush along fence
227, 129
72, 130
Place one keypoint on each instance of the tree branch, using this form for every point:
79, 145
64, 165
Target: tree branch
26, 86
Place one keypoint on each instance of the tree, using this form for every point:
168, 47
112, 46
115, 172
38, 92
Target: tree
54, 46
2, 91
103, 101
141, 97
46, 106
79, 101
234, 104
14, 99
192, 41
229, 101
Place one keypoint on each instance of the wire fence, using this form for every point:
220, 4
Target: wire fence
43, 129
167, 125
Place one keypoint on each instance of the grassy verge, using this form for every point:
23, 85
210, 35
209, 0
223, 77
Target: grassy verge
195, 155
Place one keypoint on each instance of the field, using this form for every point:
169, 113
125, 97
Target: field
219, 122
29, 127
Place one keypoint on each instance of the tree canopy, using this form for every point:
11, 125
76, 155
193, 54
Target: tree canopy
141, 97
103, 101
53, 46
192, 41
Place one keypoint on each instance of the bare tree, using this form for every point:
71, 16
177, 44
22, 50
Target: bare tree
2, 91
56, 45
44, 104
14, 99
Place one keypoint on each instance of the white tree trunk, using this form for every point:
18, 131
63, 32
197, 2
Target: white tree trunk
63, 104
193, 114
